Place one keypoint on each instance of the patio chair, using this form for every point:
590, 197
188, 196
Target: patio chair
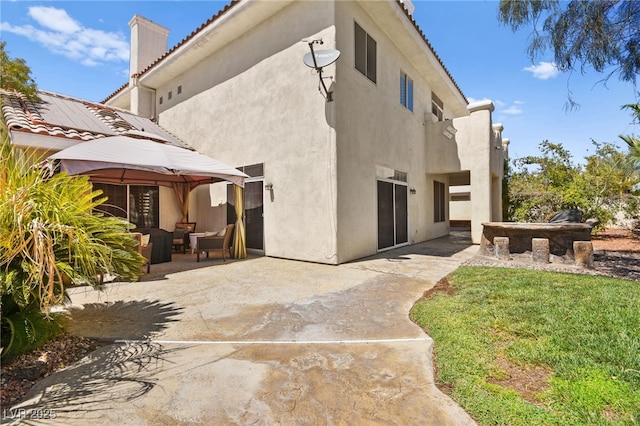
215, 243
144, 249
181, 235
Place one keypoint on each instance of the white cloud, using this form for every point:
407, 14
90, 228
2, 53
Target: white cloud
54, 19
503, 108
62, 35
473, 100
506, 108
512, 110
543, 71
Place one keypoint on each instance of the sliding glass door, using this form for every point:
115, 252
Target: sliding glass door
392, 214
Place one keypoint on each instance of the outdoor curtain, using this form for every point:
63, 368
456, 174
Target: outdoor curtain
239, 239
182, 191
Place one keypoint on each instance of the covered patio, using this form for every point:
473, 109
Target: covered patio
143, 158
118, 149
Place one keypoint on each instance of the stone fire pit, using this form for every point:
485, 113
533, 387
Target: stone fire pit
561, 236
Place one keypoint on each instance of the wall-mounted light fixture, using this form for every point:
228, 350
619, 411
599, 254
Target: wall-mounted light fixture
449, 132
268, 187
412, 191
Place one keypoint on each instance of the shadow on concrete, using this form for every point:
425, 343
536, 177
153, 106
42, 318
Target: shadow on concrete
119, 372
457, 241
109, 321
186, 262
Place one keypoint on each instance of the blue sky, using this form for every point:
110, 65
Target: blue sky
80, 48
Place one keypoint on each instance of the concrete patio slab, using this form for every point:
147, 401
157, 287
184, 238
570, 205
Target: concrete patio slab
259, 341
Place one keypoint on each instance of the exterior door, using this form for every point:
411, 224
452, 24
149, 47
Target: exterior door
392, 215
253, 213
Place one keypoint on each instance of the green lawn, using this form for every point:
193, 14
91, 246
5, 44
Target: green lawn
523, 347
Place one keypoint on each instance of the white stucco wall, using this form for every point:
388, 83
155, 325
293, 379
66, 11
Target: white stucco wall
480, 152
460, 209
373, 128
254, 101
249, 99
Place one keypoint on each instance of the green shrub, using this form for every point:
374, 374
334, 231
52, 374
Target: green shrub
51, 239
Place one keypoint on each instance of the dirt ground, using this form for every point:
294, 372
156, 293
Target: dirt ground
616, 240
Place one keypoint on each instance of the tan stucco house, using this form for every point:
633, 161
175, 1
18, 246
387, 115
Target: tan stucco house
389, 158
333, 179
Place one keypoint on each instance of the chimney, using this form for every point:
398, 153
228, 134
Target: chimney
148, 42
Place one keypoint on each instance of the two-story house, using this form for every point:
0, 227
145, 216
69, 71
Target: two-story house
333, 178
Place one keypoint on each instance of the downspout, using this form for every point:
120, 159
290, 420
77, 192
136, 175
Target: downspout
135, 83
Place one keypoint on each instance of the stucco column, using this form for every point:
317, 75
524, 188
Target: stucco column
481, 133
497, 172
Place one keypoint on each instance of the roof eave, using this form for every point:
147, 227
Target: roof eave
207, 39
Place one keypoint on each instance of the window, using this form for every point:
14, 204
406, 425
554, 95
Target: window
365, 53
179, 90
406, 91
161, 100
437, 107
139, 204
461, 197
253, 170
438, 202
169, 95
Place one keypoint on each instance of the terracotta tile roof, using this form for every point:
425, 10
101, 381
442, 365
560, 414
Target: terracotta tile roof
71, 118
235, 2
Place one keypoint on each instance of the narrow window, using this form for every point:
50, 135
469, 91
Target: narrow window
438, 202
161, 100
179, 90
365, 53
406, 91
169, 95
437, 107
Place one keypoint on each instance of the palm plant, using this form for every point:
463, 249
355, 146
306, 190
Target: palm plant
50, 238
632, 141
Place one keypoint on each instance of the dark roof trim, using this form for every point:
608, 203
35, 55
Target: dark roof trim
428, 43
177, 46
234, 3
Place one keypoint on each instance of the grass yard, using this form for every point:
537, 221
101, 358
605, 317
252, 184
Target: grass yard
524, 347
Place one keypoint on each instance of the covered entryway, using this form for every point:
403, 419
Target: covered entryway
142, 158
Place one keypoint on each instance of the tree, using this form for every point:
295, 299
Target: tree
16, 75
545, 184
50, 238
538, 183
632, 141
609, 171
581, 33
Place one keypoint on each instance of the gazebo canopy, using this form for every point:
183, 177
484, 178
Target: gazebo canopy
130, 159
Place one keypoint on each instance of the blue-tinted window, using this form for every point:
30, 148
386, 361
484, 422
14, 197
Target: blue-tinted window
406, 91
